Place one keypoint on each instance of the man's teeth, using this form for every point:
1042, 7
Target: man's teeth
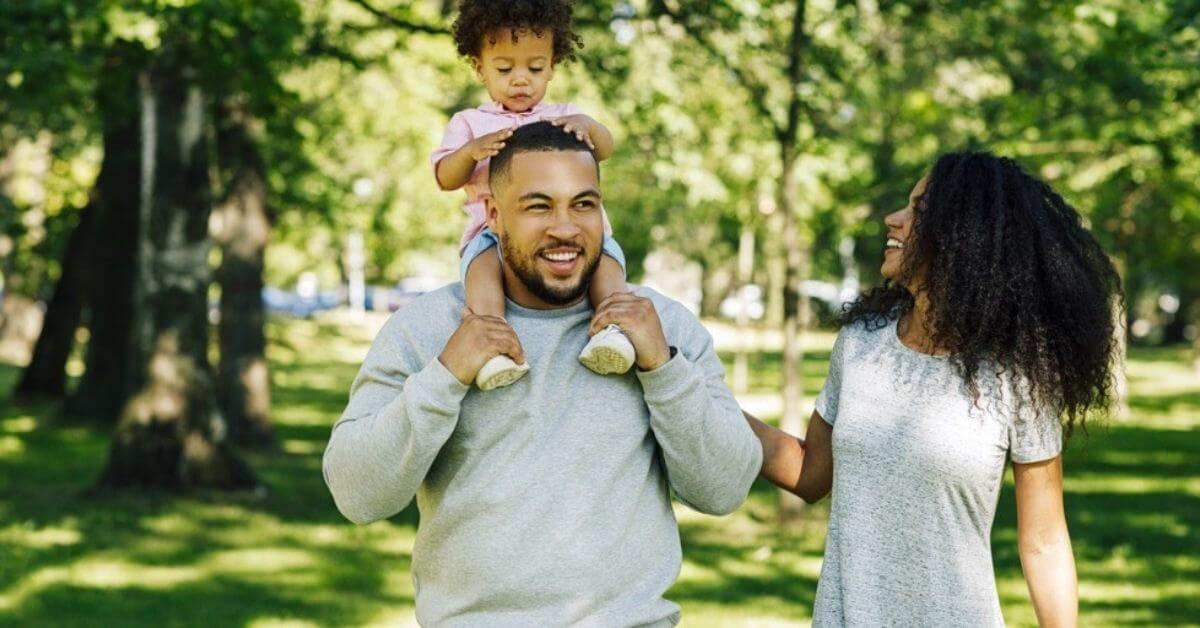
560, 257
893, 243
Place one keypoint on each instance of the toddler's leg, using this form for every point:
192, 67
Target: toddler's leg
609, 351
609, 279
484, 286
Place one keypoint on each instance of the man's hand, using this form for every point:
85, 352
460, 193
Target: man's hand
477, 340
639, 320
579, 125
487, 146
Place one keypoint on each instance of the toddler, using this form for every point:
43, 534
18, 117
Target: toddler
514, 47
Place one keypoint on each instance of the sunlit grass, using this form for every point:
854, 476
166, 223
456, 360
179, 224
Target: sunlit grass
287, 558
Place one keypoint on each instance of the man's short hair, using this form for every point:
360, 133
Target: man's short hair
538, 137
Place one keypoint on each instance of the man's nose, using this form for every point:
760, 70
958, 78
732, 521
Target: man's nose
564, 226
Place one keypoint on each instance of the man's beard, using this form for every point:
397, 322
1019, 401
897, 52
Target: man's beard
524, 267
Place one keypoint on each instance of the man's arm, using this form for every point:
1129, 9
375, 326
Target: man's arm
401, 413
711, 455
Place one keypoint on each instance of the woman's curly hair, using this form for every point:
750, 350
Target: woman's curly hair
1014, 282
478, 19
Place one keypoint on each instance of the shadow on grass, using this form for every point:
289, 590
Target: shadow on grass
207, 559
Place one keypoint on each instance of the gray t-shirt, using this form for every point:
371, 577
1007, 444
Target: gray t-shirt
547, 502
917, 469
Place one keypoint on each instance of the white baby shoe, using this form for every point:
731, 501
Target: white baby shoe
609, 351
500, 371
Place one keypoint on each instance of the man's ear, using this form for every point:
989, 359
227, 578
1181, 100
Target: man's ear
493, 213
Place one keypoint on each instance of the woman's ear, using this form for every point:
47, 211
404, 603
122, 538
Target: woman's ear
477, 65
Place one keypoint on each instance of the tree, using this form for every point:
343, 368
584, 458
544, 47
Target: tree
171, 435
45, 375
244, 223
784, 118
110, 369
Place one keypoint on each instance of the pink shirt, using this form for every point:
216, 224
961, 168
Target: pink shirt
469, 124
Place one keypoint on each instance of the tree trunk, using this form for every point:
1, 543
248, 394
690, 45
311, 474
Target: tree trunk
745, 273
171, 435
792, 420
243, 382
795, 312
1196, 347
46, 376
110, 373
1121, 408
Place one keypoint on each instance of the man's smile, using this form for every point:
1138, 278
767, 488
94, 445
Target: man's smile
561, 260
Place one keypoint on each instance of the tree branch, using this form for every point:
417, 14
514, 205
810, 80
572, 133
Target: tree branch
758, 91
400, 22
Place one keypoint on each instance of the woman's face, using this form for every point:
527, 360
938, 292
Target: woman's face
899, 230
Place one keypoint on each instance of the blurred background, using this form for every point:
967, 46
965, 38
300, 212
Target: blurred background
209, 207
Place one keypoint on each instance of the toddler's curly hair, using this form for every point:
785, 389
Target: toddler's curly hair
478, 19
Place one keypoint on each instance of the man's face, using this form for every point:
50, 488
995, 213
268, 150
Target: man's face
546, 213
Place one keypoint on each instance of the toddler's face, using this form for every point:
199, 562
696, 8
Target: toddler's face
516, 73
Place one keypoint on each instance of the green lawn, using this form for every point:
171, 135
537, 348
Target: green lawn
287, 557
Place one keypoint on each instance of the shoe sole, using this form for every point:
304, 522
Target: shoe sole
501, 379
605, 361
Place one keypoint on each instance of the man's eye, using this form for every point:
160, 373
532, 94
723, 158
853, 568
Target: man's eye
585, 205
537, 208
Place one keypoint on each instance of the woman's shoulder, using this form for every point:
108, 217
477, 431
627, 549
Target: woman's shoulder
866, 330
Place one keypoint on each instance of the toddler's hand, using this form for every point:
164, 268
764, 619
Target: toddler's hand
580, 125
486, 146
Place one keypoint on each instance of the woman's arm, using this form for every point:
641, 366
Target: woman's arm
1044, 543
803, 467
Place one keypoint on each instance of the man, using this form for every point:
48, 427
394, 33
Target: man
547, 502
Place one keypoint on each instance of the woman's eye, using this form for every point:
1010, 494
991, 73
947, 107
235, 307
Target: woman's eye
535, 70
504, 70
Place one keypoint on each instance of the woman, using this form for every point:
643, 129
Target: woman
991, 334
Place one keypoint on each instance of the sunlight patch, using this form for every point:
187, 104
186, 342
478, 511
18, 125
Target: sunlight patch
20, 425
692, 573
97, 574
11, 445
41, 539
303, 447
277, 622
260, 560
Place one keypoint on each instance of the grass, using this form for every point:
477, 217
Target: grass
288, 558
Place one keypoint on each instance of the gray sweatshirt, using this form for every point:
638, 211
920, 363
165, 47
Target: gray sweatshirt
546, 502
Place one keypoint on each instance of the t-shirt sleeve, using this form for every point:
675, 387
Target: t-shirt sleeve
1034, 436
827, 399
457, 134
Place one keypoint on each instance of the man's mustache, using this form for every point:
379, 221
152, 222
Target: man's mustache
560, 244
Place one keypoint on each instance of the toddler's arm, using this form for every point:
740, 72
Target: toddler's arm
454, 170
587, 129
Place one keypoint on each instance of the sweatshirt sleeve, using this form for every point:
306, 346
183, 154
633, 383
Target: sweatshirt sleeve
711, 455
399, 416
